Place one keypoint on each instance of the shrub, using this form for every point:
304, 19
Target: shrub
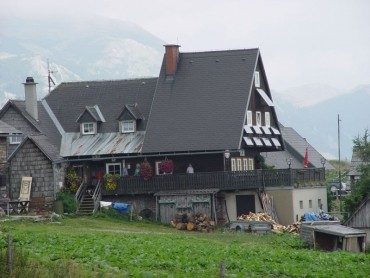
68, 200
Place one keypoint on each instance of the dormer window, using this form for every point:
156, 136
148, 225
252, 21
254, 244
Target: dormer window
130, 118
128, 126
88, 128
89, 120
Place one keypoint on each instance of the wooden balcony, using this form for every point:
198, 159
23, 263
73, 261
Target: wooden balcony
243, 180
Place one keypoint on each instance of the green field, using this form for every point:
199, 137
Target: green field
104, 247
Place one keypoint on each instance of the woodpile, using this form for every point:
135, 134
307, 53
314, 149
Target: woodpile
199, 222
276, 227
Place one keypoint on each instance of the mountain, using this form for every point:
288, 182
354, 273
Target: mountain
319, 122
96, 48
92, 48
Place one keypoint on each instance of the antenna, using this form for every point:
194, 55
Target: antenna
50, 80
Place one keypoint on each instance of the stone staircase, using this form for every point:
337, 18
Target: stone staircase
86, 206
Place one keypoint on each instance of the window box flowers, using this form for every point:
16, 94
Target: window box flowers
166, 166
111, 181
146, 170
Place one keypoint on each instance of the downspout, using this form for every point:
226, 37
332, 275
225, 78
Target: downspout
54, 181
214, 207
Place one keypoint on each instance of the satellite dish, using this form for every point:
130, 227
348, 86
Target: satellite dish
333, 189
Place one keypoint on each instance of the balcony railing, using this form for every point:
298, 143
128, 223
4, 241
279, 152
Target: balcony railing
243, 180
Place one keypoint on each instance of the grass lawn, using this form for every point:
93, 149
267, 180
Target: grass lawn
105, 247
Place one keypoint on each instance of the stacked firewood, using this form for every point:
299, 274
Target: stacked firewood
276, 227
197, 222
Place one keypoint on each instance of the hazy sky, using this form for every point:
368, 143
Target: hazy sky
301, 41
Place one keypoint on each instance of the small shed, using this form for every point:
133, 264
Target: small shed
171, 203
333, 236
360, 219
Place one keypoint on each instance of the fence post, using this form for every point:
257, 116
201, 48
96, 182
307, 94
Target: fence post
10, 254
222, 269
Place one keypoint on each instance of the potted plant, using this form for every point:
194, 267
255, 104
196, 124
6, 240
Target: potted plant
166, 166
72, 180
111, 181
146, 170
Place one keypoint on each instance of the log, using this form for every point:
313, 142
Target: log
190, 226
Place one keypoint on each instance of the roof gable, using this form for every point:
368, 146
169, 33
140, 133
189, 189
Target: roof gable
91, 114
204, 106
130, 111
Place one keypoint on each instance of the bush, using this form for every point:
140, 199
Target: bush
68, 200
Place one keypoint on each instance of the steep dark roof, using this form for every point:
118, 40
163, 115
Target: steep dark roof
70, 99
204, 107
44, 125
295, 148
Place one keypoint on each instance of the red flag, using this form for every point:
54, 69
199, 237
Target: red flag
305, 161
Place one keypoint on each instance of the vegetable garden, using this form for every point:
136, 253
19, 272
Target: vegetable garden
105, 247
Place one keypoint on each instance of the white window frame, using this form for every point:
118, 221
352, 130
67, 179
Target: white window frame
245, 164
239, 164
258, 118
15, 140
249, 118
250, 164
89, 126
233, 164
267, 119
128, 126
157, 171
108, 171
257, 82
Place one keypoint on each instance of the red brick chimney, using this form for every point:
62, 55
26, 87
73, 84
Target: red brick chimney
172, 57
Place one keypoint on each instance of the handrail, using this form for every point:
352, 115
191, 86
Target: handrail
80, 192
97, 195
224, 180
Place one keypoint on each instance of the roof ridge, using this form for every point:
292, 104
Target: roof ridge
108, 80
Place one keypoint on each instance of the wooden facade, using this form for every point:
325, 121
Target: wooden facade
360, 219
30, 161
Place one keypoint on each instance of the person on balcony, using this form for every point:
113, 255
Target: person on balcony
190, 169
137, 170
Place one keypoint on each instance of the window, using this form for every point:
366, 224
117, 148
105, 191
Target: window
15, 139
245, 164
258, 118
88, 128
113, 168
319, 204
233, 164
301, 204
239, 164
128, 126
157, 170
310, 203
249, 117
257, 79
267, 119
250, 164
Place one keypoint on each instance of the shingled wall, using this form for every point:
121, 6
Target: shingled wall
30, 161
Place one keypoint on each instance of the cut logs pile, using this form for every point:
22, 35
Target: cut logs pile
198, 222
276, 227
